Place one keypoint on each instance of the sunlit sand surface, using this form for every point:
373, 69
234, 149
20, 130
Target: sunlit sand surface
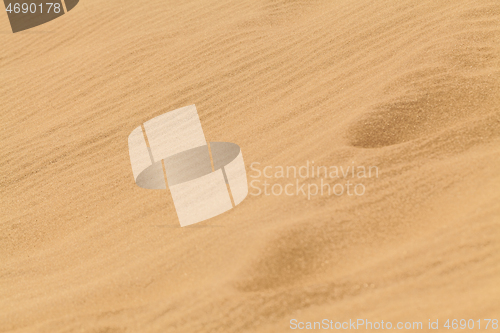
412, 87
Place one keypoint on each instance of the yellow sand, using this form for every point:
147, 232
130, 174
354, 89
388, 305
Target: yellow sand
409, 86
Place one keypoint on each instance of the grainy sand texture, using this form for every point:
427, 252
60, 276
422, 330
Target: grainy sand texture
411, 87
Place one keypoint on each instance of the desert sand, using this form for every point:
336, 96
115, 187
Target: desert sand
411, 87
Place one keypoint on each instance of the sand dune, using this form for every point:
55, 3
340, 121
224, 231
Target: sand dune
411, 87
